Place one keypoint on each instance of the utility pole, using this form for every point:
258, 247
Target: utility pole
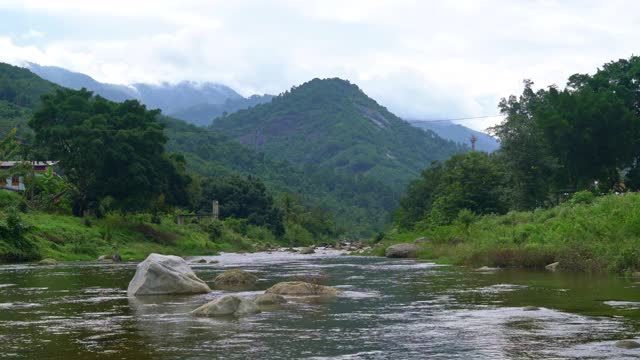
215, 210
473, 139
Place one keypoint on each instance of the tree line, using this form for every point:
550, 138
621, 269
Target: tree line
553, 142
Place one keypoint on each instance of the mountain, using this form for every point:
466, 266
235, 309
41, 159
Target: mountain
359, 205
204, 114
458, 134
196, 103
173, 97
74, 80
332, 123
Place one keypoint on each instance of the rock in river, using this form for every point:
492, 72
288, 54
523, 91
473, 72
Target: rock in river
552, 267
269, 299
301, 288
307, 250
627, 344
227, 305
235, 278
47, 262
165, 274
487, 269
405, 250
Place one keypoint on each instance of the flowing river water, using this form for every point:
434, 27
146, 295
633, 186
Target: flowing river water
389, 309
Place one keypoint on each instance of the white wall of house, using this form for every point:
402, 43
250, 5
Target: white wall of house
15, 186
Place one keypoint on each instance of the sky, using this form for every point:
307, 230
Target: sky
421, 59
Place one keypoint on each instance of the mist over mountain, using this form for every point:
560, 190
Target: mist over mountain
196, 103
459, 134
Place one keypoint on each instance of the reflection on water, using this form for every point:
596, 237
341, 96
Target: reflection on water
388, 309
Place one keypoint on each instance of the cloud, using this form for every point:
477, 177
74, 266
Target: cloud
420, 59
32, 34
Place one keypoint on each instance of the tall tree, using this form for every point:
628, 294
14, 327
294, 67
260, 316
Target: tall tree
107, 149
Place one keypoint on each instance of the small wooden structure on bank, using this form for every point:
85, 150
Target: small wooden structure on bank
215, 214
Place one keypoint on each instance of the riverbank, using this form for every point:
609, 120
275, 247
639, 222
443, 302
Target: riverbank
132, 236
585, 235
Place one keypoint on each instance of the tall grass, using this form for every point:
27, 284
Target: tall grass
585, 234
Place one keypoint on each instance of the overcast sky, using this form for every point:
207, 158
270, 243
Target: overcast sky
421, 59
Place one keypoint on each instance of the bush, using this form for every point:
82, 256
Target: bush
8, 199
465, 218
583, 197
13, 232
215, 229
296, 235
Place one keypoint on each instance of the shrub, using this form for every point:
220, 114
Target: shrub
583, 197
465, 218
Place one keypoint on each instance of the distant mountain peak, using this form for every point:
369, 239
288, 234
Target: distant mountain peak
333, 123
459, 134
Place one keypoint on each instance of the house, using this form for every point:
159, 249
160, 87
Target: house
16, 183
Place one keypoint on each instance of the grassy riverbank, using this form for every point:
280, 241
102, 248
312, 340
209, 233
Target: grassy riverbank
37, 235
586, 234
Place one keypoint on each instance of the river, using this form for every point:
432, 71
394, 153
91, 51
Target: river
389, 309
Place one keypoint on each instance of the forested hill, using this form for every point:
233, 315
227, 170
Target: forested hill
20, 92
332, 123
359, 205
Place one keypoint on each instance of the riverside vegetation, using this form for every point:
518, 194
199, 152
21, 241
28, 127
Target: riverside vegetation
510, 208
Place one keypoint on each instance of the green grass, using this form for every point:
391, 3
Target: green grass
68, 238
587, 235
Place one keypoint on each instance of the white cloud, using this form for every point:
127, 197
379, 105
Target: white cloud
32, 34
421, 59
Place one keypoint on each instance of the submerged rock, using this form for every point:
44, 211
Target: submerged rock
235, 278
227, 305
553, 267
301, 288
269, 299
47, 262
214, 261
627, 344
307, 250
404, 250
531, 308
163, 275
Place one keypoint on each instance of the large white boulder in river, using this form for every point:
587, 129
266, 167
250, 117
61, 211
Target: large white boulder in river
165, 274
227, 305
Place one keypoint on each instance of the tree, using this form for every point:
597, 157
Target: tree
472, 181
242, 198
107, 149
528, 161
